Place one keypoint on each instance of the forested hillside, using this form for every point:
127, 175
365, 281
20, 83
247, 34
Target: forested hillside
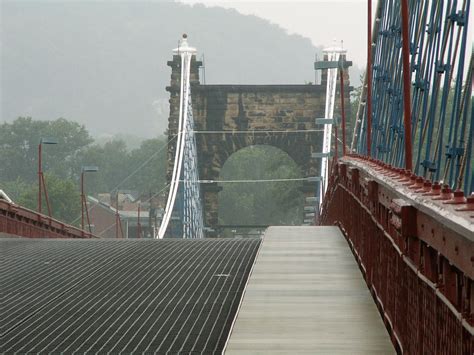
103, 64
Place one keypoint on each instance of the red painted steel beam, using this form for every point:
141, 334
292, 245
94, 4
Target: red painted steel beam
417, 259
343, 113
406, 86
22, 222
83, 200
39, 178
369, 76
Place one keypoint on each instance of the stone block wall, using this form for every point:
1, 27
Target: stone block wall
236, 116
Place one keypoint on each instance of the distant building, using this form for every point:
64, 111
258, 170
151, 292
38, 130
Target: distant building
103, 217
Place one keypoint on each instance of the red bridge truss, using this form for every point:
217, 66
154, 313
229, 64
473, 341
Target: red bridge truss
414, 242
16, 221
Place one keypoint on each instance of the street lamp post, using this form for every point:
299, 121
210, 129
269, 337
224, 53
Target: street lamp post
85, 169
41, 183
139, 225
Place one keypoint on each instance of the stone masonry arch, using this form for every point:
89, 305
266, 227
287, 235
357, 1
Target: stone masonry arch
231, 117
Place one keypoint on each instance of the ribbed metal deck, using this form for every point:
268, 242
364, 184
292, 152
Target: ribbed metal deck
306, 294
91, 296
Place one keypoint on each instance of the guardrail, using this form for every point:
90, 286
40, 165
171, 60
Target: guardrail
20, 221
414, 242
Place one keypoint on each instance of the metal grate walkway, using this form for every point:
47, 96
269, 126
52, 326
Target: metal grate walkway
132, 296
306, 295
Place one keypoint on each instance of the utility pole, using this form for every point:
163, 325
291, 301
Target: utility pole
41, 183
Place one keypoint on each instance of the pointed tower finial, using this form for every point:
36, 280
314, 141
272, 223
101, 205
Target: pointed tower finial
183, 46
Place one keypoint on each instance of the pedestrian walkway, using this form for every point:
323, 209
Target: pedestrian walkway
306, 294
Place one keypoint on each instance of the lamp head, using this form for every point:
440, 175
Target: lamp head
48, 140
90, 169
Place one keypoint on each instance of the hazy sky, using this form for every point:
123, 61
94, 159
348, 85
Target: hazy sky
321, 21
73, 64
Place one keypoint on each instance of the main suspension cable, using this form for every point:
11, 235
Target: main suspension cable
312, 178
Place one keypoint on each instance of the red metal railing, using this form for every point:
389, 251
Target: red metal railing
416, 253
19, 221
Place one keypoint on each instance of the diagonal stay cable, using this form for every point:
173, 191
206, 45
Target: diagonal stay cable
144, 163
147, 200
150, 158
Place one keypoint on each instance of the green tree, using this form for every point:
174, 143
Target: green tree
143, 169
149, 162
14, 188
113, 161
19, 147
273, 203
64, 197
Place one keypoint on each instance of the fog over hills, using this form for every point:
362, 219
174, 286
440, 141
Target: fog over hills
103, 64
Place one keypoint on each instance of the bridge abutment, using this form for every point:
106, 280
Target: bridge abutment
210, 194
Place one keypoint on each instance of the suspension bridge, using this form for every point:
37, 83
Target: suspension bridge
384, 262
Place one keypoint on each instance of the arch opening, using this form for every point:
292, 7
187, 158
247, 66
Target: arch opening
260, 203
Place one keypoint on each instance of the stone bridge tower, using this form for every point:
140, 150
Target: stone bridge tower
227, 112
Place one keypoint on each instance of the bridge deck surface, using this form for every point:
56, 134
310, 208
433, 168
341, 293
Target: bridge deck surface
306, 294
62, 296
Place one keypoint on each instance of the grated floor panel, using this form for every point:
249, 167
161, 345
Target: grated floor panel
113, 296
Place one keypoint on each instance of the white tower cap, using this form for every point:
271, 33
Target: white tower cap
335, 49
184, 46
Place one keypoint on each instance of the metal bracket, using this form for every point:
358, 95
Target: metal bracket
332, 64
321, 155
326, 120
